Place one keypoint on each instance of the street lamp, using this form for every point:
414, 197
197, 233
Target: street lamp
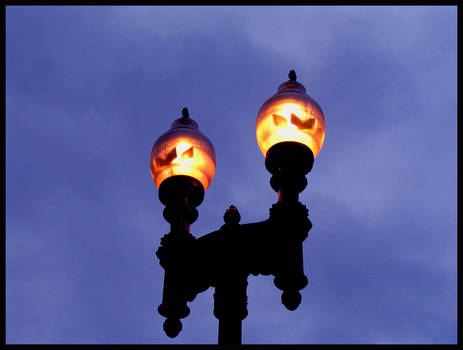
290, 131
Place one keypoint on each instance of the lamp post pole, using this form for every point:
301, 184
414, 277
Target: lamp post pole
290, 132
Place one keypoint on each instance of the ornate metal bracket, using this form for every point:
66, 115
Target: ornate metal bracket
223, 259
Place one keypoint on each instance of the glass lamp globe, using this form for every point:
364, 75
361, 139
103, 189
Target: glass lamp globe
183, 150
290, 115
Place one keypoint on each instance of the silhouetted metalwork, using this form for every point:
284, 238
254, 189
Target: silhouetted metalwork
223, 259
292, 75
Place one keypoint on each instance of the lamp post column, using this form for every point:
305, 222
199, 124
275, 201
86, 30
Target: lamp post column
289, 162
230, 299
181, 195
230, 303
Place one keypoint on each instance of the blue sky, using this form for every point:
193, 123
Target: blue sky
88, 91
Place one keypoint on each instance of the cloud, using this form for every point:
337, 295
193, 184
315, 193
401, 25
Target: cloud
90, 88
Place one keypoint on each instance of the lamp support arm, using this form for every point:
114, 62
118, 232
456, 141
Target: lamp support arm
223, 259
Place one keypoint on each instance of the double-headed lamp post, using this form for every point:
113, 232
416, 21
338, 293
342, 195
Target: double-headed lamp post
290, 131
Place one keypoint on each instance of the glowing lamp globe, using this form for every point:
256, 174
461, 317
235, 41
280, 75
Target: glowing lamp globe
290, 115
183, 151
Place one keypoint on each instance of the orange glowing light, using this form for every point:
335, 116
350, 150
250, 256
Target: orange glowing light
290, 115
183, 150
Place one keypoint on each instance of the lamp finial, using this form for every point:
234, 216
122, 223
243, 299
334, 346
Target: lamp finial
292, 75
